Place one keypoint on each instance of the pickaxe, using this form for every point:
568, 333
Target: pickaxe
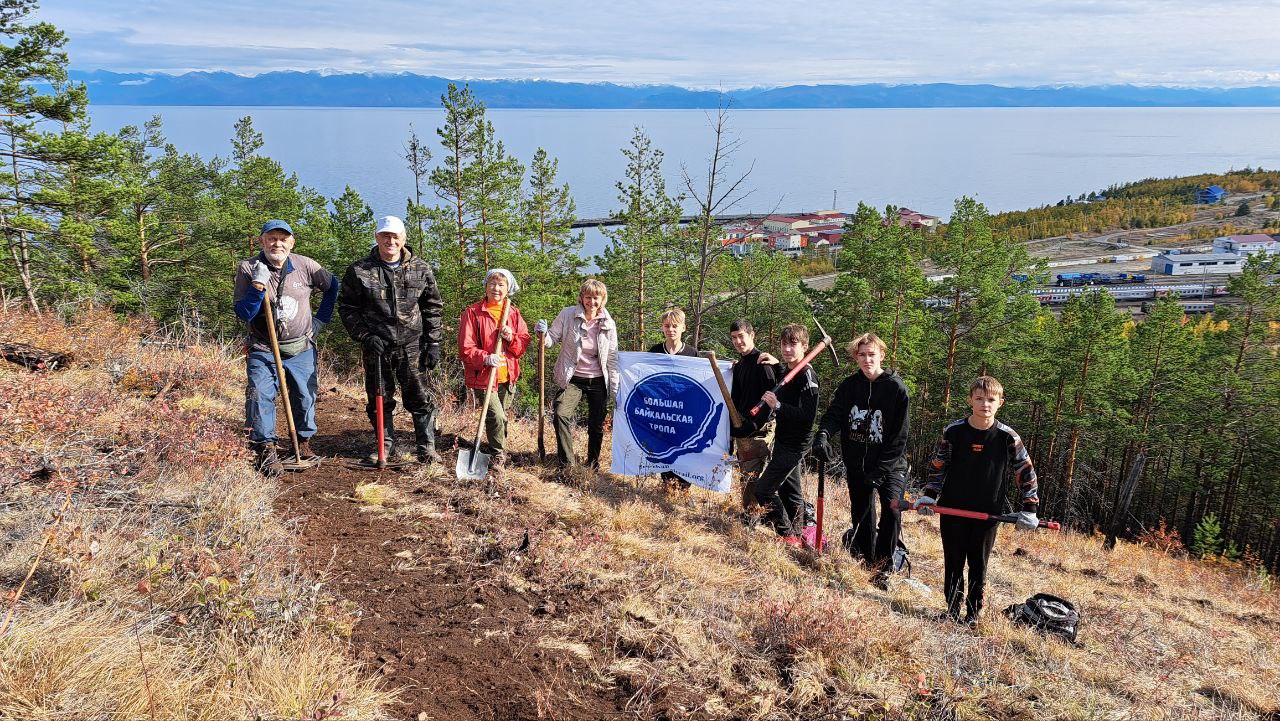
735, 418
826, 343
979, 515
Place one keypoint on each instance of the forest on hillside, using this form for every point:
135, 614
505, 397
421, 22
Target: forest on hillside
1166, 426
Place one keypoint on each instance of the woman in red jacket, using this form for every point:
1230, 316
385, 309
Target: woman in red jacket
478, 339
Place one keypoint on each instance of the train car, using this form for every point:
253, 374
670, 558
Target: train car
1071, 279
1188, 306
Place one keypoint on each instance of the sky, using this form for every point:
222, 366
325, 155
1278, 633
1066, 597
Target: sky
694, 43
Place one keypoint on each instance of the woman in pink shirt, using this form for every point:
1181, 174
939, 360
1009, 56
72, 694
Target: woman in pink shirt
586, 367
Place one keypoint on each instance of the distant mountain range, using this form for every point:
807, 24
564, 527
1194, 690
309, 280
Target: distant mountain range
315, 89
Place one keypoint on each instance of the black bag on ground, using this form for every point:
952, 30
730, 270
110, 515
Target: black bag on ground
1047, 614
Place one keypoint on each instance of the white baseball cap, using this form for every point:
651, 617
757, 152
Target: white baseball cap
390, 224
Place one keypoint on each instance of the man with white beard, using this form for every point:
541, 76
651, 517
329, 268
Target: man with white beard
286, 280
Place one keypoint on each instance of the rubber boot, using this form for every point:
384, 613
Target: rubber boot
424, 434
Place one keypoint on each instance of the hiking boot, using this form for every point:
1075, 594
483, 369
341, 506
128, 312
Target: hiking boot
498, 463
304, 449
268, 461
881, 580
427, 454
793, 541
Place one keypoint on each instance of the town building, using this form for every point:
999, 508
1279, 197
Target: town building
1175, 263
1247, 244
1210, 195
911, 219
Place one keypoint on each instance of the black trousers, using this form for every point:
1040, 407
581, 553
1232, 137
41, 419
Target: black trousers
778, 489
399, 367
875, 542
965, 541
566, 408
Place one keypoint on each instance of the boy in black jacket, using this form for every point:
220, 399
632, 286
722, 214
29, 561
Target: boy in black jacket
794, 406
869, 415
969, 471
751, 378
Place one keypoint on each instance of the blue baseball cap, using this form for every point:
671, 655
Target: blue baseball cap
271, 225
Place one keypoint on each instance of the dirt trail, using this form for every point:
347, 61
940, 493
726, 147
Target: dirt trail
461, 635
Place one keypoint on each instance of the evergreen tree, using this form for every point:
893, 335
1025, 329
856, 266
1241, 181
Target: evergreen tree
1207, 538
452, 227
32, 60
493, 184
77, 195
634, 262
417, 157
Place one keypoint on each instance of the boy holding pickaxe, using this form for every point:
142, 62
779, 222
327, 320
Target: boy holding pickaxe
969, 471
794, 403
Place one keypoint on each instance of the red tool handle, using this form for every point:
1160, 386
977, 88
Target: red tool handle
822, 492
813, 352
978, 515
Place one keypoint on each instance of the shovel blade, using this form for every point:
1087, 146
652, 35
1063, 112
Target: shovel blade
466, 468
294, 463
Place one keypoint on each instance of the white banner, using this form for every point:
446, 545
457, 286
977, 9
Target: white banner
671, 416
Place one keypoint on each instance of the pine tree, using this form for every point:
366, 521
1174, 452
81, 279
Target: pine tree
78, 196
1207, 539
417, 157
351, 227
32, 60
493, 181
453, 226
633, 261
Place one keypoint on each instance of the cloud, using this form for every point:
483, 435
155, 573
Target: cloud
729, 43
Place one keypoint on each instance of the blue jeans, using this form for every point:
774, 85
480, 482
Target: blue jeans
263, 385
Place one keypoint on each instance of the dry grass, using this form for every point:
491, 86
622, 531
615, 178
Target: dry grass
168, 592
701, 617
168, 589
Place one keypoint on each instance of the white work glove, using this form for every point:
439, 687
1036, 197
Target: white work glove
540, 327
317, 325
493, 360
924, 505
1027, 521
261, 273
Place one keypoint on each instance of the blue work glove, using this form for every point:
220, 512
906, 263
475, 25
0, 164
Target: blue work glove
540, 327
493, 360
924, 504
1027, 521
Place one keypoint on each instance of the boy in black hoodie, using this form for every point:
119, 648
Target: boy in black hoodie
795, 406
869, 414
970, 471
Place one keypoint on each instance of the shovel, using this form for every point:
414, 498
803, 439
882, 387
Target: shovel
297, 462
542, 399
474, 465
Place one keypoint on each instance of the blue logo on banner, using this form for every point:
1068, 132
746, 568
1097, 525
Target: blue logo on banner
671, 415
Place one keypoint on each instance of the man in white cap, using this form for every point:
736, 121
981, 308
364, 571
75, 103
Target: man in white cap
390, 304
286, 280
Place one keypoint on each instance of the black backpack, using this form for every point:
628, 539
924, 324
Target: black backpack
1047, 614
